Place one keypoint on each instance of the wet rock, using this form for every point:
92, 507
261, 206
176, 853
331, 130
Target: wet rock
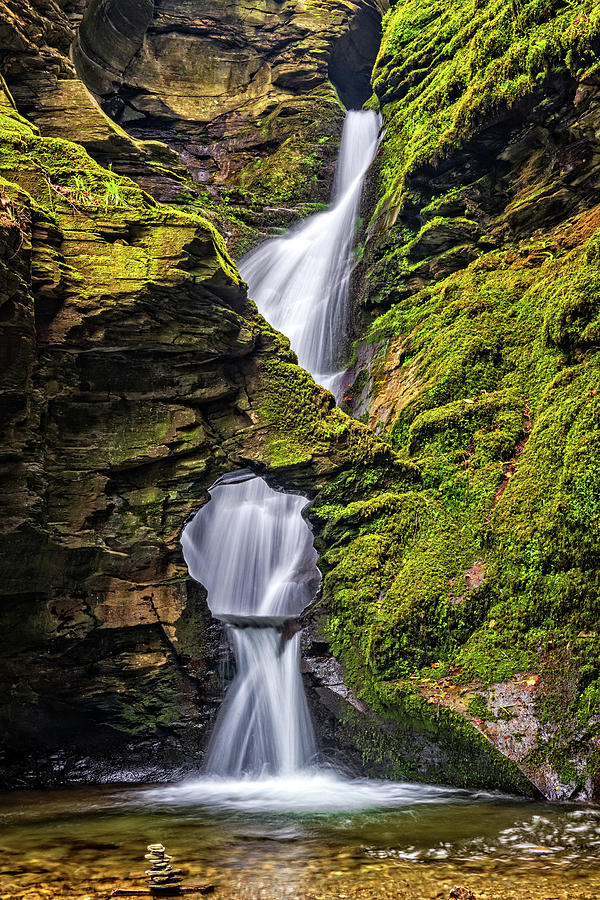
242, 93
462, 893
162, 876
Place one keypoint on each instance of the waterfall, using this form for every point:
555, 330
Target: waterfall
251, 547
253, 551
300, 281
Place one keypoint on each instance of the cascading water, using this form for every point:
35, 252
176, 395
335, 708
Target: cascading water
300, 281
253, 551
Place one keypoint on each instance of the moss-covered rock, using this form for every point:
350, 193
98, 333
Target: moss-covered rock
458, 542
134, 373
481, 371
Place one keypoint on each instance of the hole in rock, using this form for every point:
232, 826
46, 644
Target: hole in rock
353, 56
253, 550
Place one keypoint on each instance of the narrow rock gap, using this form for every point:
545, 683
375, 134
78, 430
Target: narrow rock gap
353, 56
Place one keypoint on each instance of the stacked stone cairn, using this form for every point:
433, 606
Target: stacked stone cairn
163, 878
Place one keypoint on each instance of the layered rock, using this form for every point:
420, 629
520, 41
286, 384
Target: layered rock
135, 371
35, 49
458, 546
241, 92
107, 391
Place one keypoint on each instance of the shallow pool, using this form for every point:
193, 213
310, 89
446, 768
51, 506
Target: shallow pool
312, 837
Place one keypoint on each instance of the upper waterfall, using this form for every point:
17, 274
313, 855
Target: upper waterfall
300, 281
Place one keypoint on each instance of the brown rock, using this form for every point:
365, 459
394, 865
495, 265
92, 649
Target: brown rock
462, 893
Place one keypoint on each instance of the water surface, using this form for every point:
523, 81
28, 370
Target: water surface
252, 842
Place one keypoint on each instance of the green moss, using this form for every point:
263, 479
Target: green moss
64, 183
478, 708
502, 422
443, 67
410, 738
292, 173
304, 421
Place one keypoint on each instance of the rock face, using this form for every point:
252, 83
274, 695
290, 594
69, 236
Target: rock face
135, 370
457, 633
132, 375
478, 590
35, 41
410, 740
103, 389
240, 91
224, 81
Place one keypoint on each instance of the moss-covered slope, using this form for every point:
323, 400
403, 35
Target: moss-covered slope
478, 590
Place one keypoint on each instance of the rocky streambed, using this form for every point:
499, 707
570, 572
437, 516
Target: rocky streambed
84, 843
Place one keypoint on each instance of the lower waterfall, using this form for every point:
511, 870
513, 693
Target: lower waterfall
253, 551
250, 546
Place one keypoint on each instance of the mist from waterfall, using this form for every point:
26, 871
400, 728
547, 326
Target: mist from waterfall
252, 549
300, 281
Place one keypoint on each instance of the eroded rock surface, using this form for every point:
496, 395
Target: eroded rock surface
241, 91
230, 85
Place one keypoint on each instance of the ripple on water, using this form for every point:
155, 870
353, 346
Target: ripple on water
315, 837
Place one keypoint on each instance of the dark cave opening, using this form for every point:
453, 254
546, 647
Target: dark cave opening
353, 55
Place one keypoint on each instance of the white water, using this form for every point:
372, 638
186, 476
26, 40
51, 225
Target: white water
254, 553
251, 549
300, 281
316, 791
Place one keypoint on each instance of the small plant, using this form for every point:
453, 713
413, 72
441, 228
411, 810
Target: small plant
12, 216
81, 194
113, 195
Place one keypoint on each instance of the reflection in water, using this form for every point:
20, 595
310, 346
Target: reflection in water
84, 843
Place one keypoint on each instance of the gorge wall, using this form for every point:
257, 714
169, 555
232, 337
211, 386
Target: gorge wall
240, 91
456, 521
478, 592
